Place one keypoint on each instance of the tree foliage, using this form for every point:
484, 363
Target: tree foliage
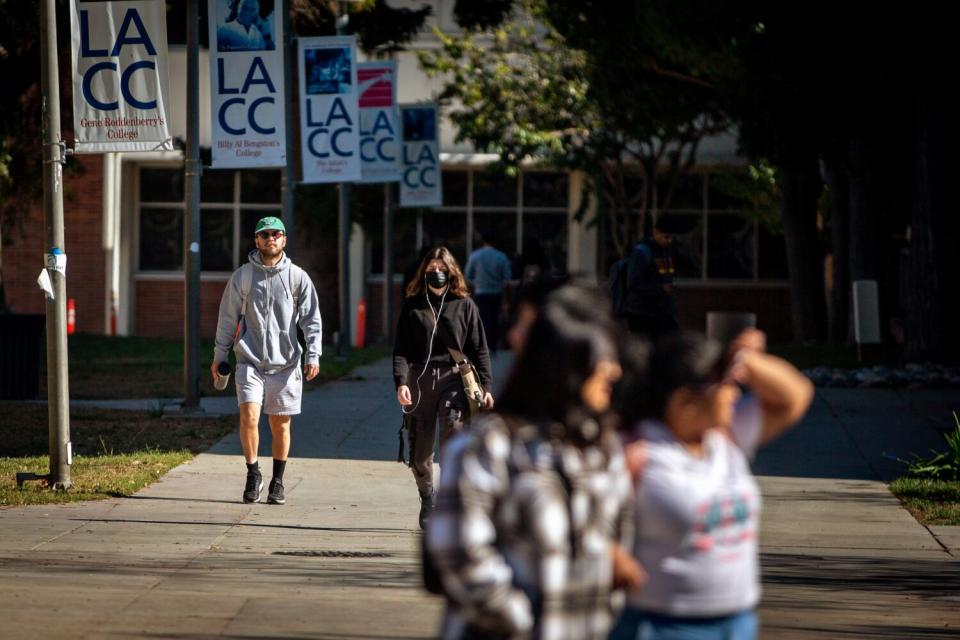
520, 90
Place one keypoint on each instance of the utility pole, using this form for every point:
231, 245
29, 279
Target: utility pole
54, 152
389, 212
191, 223
343, 242
389, 216
288, 180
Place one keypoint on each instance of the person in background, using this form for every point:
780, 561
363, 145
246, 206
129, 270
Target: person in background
531, 517
697, 504
649, 281
488, 271
437, 310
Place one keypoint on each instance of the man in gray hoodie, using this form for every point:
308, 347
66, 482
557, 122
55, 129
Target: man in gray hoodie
264, 302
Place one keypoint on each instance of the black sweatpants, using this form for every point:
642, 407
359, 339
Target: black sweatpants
441, 397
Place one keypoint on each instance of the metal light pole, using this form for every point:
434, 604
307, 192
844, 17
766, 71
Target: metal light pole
288, 180
191, 223
343, 241
389, 212
54, 151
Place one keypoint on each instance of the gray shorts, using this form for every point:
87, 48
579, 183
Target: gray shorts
277, 393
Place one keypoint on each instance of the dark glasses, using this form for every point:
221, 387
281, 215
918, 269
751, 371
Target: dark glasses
265, 235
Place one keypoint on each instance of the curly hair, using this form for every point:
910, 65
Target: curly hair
458, 284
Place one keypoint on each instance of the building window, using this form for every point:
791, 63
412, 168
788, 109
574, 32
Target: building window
527, 215
717, 238
230, 204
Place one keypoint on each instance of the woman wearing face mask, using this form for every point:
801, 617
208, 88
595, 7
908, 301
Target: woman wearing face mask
437, 312
530, 518
697, 504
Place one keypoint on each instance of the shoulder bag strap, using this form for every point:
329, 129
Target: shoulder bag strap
455, 353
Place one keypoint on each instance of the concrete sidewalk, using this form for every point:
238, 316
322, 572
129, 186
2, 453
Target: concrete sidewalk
841, 558
185, 559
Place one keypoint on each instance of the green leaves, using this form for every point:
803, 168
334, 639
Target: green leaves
941, 465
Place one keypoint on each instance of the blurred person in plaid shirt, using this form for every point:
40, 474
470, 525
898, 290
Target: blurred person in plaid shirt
528, 532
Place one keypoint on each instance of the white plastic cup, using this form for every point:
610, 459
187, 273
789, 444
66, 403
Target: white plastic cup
223, 376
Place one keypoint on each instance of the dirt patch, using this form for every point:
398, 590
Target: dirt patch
93, 431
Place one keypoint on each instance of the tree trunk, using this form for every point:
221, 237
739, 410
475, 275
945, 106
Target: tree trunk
931, 328
840, 236
800, 191
877, 185
865, 209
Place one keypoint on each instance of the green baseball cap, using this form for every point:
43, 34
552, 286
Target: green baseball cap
269, 223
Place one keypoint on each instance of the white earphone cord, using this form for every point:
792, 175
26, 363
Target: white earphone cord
436, 321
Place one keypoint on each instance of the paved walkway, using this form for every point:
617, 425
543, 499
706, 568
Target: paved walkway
185, 559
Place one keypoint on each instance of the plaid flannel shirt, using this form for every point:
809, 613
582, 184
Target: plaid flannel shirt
521, 533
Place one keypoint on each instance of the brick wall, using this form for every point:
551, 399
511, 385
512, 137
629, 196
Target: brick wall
86, 259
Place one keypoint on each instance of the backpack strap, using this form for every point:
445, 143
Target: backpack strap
295, 280
246, 284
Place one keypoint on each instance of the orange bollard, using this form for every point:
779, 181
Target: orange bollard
71, 316
361, 324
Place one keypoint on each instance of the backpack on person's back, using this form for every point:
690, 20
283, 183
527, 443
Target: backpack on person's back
617, 285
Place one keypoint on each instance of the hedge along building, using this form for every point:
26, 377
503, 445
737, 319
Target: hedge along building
124, 225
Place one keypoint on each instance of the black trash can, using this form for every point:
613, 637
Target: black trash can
21, 349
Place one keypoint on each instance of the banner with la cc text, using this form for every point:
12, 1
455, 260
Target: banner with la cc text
379, 140
120, 89
329, 118
420, 185
248, 128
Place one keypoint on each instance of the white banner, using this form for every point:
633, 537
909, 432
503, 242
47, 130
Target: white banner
420, 185
379, 139
120, 85
246, 85
329, 118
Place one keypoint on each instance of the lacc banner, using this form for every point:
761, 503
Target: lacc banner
420, 184
120, 85
379, 143
246, 84
329, 118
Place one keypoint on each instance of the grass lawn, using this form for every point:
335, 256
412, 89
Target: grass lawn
103, 367
935, 502
116, 453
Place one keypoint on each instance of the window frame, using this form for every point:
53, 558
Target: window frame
236, 207
706, 213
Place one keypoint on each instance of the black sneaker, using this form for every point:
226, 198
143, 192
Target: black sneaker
275, 495
426, 507
251, 493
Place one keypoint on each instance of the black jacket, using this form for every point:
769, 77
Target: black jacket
649, 269
415, 326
